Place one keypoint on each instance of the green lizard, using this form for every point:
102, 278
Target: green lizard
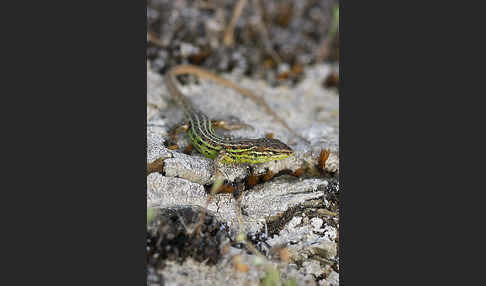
223, 149
208, 143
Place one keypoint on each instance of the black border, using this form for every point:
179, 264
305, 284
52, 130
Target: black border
75, 199
409, 105
76, 207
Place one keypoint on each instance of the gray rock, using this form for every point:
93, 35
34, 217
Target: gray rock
155, 148
273, 198
181, 179
312, 267
331, 280
200, 169
167, 192
154, 88
191, 273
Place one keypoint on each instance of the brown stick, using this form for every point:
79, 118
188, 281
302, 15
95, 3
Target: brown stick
228, 39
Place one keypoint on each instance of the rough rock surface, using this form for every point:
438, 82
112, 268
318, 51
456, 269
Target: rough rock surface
294, 212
